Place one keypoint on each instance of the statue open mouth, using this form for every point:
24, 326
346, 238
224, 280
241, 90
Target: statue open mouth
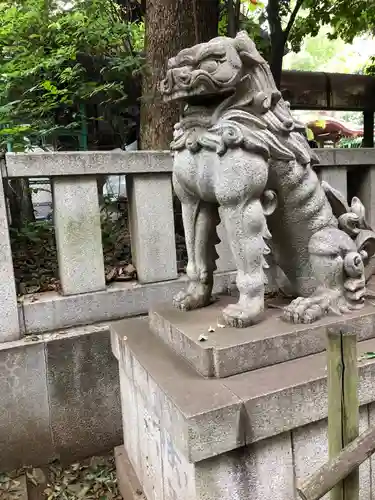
237, 147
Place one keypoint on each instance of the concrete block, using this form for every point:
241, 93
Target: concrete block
51, 311
310, 451
208, 417
9, 325
261, 471
25, 433
152, 227
202, 416
367, 193
78, 235
84, 394
231, 351
335, 176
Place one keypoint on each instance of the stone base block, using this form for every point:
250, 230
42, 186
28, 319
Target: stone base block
128, 483
229, 351
60, 398
251, 435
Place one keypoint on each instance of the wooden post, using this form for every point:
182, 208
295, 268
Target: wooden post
343, 405
337, 469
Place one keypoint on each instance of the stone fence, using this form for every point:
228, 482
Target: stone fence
60, 390
85, 298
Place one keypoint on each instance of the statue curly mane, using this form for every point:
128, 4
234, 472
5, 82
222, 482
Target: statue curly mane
254, 117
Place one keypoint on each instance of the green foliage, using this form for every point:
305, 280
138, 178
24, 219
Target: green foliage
320, 53
291, 22
350, 143
56, 56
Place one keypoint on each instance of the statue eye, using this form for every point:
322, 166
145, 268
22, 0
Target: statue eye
209, 65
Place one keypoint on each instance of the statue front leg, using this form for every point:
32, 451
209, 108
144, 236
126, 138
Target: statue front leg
200, 220
246, 227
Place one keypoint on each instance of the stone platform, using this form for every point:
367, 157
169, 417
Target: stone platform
229, 351
240, 415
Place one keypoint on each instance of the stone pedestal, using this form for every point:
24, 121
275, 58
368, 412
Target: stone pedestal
239, 415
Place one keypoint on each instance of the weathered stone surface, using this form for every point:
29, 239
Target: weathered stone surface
25, 434
225, 261
371, 410
207, 417
246, 159
9, 326
70, 163
51, 311
78, 235
336, 177
367, 193
261, 471
202, 416
117, 162
84, 394
152, 227
165, 472
178, 428
292, 394
361, 156
129, 485
229, 351
310, 451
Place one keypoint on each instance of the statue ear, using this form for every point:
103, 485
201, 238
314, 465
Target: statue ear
246, 49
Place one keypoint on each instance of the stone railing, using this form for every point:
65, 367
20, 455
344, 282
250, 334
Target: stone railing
85, 298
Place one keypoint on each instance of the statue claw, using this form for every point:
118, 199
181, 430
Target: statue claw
198, 295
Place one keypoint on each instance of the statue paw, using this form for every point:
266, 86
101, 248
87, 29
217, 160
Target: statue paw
306, 310
198, 295
242, 314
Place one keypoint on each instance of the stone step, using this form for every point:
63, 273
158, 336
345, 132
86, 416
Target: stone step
199, 337
209, 416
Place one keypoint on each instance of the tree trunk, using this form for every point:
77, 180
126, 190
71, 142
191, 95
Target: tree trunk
278, 40
171, 25
20, 202
276, 57
231, 31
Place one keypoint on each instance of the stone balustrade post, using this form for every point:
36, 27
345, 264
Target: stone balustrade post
367, 193
152, 226
336, 176
9, 322
78, 234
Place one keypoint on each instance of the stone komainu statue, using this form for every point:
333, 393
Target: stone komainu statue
240, 156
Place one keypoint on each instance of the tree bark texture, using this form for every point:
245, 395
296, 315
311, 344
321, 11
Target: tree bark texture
20, 203
278, 40
171, 25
